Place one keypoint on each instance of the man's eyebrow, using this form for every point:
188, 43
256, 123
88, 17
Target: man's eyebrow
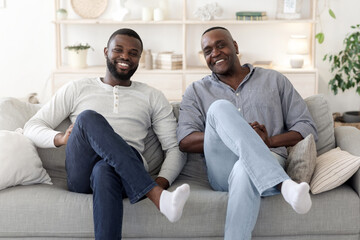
121, 46
217, 42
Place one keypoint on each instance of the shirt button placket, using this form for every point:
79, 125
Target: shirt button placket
238, 100
116, 100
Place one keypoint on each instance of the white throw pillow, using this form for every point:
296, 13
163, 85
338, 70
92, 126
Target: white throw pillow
19, 161
332, 169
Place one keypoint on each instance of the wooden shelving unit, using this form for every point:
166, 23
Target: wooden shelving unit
189, 73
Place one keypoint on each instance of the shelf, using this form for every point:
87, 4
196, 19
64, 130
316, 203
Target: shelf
113, 22
188, 70
101, 70
182, 34
171, 22
231, 21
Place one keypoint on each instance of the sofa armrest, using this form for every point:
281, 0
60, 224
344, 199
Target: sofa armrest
348, 139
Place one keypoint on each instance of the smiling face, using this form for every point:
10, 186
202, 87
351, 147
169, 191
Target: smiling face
219, 51
122, 57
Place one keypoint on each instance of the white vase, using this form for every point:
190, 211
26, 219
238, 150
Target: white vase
164, 6
147, 14
77, 59
122, 12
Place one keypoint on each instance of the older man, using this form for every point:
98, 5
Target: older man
242, 118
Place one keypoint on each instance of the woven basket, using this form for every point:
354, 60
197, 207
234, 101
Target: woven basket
89, 8
338, 121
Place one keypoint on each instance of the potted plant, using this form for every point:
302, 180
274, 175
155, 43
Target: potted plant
346, 67
61, 13
77, 55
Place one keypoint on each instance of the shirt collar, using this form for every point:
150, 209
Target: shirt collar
214, 77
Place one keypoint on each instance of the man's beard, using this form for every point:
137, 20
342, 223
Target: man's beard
119, 76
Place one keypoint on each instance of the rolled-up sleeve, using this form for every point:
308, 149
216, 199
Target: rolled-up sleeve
191, 118
297, 115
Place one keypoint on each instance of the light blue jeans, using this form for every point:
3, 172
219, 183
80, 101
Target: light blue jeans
238, 161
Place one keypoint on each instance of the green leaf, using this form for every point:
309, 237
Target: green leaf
320, 37
345, 65
332, 14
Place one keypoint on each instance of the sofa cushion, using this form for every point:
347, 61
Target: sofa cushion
19, 161
52, 211
15, 113
195, 167
302, 160
321, 114
333, 168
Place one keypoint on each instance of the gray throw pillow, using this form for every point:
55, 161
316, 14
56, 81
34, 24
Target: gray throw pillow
302, 160
321, 114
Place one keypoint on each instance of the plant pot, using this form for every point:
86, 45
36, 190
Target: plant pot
77, 59
351, 117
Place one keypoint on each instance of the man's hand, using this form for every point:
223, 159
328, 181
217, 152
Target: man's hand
162, 182
62, 138
261, 130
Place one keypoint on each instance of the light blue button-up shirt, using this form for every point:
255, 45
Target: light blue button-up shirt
265, 96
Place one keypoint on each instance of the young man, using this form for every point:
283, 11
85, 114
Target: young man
111, 118
242, 118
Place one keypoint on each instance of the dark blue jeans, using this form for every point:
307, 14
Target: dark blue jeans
99, 161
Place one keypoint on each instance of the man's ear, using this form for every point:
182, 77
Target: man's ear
106, 51
236, 47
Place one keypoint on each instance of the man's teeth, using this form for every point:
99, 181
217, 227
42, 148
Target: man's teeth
219, 61
123, 64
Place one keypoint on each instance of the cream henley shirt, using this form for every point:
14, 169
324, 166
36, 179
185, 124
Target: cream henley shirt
131, 111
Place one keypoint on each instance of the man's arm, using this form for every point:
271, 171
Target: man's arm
191, 124
40, 128
287, 139
193, 143
297, 117
164, 126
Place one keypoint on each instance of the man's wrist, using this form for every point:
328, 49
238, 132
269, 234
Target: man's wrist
58, 139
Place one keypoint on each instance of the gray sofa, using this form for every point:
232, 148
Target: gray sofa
52, 212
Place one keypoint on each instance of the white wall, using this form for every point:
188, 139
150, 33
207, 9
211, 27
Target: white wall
27, 47
347, 14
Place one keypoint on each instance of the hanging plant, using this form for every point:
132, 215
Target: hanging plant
320, 36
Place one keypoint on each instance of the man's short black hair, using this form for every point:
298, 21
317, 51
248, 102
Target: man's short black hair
214, 28
125, 31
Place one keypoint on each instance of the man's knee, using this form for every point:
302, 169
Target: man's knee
87, 115
90, 118
221, 106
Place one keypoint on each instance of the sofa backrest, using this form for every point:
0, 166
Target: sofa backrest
14, 114
321, 114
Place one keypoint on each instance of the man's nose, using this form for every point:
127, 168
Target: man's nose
124, 55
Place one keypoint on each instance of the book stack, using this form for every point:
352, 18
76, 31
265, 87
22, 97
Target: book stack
168, 61
251, 16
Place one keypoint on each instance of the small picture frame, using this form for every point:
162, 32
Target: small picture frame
289, 9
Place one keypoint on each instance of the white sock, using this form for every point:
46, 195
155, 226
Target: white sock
172, 203
297, 195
